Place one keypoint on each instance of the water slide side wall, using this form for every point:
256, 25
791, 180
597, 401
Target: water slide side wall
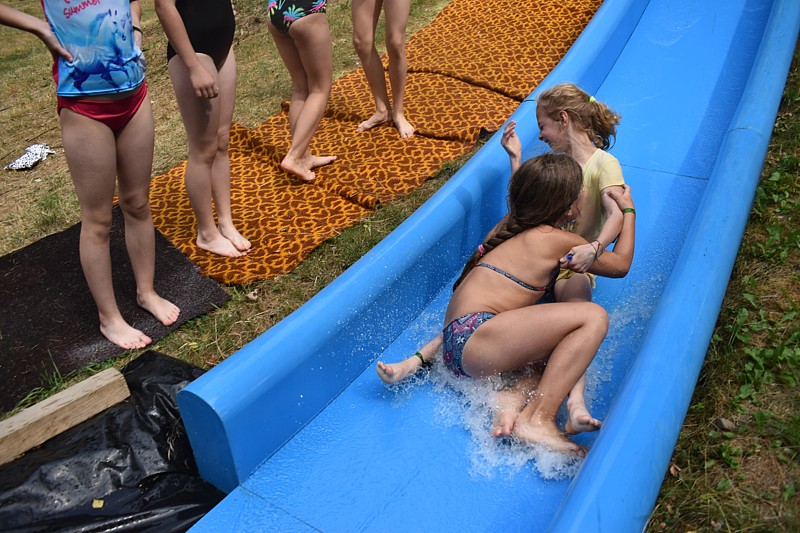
661, 381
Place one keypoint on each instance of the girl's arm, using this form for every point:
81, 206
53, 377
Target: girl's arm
617, 263
38, 27
613, 223
202, 80
584, 256
136, 12
512, 145
136, 20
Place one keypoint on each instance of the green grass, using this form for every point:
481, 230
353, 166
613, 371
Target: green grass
735, 466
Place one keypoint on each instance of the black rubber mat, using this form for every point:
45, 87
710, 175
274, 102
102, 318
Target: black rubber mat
49, 325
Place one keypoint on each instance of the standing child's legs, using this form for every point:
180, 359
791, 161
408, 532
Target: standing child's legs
365, 21
221, 169
567, 335
307, 52
577, 288
90, 149
396, 15
94, 161
134, 149
202, 121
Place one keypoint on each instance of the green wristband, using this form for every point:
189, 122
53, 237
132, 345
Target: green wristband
629, 210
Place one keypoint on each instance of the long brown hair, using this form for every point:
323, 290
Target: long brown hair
540, 192
590, 115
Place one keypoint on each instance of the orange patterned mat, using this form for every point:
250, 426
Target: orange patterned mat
468, 71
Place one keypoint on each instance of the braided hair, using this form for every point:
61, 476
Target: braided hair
590, 115
540, 192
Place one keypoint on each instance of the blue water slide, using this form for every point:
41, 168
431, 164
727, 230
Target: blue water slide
302, 435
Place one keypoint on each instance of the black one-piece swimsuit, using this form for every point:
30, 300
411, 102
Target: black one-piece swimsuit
210, 25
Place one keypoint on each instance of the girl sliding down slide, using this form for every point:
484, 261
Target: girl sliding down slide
493, 325
577, 124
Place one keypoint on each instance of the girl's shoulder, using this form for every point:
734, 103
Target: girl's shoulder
601, 157
602, 170
543, 233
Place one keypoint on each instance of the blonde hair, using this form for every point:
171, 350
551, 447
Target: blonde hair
590, 115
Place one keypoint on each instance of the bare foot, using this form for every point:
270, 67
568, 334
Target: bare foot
297, 168
236, 238
403, 126
394, 372
509, 404
218, 244
165, 311
378, 119
123, 335
319, 160
580, 420
547, 435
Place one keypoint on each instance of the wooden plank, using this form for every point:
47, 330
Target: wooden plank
38, 423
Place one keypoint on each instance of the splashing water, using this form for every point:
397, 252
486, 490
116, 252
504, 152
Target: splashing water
470, 403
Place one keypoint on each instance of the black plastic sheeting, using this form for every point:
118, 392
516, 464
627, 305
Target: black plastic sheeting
129, 468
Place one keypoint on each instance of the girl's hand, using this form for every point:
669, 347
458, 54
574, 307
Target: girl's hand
512, 145
579, 258
622, 195
50, 40
204, 84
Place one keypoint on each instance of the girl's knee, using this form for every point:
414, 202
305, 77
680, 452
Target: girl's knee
96, 226
396, 45
597, 316
222, 151
135, 205
362, 44
204, 155
96, 223
300, 92
223, 138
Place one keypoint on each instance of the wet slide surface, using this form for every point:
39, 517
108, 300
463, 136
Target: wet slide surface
305, 437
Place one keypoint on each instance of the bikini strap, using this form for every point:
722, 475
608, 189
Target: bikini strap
517, 280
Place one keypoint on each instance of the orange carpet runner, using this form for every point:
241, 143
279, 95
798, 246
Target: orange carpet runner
468, 71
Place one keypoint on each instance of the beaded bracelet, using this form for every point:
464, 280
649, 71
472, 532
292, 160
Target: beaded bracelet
599, 250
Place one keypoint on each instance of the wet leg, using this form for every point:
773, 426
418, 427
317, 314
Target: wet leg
510, 402
577, 288
568, 337
394, 372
